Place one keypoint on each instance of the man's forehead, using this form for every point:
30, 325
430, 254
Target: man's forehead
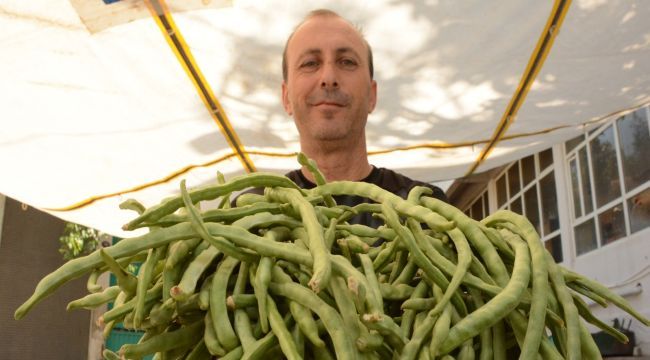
324, 28
339, 50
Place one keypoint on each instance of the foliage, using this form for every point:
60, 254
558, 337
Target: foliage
78, 240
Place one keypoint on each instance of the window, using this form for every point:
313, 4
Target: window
479, 209
527, 187
609, 172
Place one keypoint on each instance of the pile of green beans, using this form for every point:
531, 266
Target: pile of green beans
285, 274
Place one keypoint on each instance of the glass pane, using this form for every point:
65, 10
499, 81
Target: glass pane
639, 209
603, 156
573, 168
585, 235
550, 218
587, 199
477, 210
545, 159
612, 224
571, 144
515, 206
528, 169
502, 195
486, 204
554, 246
634, 139
513, 179
532, 207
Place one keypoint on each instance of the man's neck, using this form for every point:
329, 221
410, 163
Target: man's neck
342, 163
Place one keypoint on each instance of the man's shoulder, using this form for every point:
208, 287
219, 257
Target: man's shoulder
401, 184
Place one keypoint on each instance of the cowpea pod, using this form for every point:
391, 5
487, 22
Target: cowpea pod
358, 209
185, 336
220, 243
116, 313
193, 272
179, 251
367, 231
426, 243
301, 314
571, 316
145, 276
580, 289
266, 220
223, 215
289, 348
395, 291
406, 274
354, 244
109, 325
374, 299
318, 176
474, 235
345, 304
382, 196
322, 267
499, 306
585, 313
163, 314
420, 333
241, 301
210, 337
258, 350
109, 355
385, 325
218, 309
92, 301
485, 335
330, 317
398, 265
604, 292
210, 192
125, 280
418, 304
91, 284
79, 266
523, 227
440, 330
588, 346
423, 262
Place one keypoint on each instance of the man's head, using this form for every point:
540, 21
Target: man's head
328, 86
325, 12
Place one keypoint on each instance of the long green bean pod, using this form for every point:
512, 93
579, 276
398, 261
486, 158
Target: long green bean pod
210, 192
423, 262
322, 267
185, 336
330, 317
382, 196
92, 301
218, 309
499, 306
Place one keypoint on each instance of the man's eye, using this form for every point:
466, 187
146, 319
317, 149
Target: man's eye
309, 64
348, 63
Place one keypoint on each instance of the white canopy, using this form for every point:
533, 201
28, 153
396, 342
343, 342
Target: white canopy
94, 102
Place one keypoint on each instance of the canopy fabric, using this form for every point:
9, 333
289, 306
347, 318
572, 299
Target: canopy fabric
95, 103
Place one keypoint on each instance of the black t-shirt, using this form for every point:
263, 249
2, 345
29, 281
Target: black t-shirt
386, 179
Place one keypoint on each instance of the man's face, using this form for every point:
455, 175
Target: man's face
328, 90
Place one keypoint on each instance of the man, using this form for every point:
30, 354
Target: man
329, 90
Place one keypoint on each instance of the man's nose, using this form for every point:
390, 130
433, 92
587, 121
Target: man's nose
329, 77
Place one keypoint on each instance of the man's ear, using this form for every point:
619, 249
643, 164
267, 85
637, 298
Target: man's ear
285, 99
372, 99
